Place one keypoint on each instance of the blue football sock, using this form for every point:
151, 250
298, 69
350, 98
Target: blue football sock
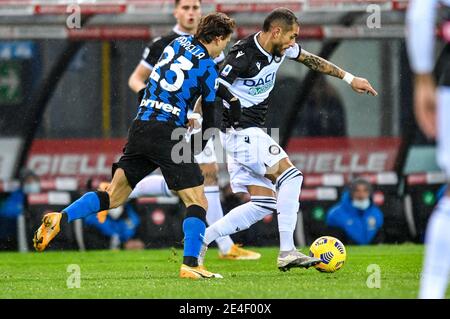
194, 232
87, 205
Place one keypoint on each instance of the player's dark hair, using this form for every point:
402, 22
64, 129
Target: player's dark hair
177, 2
283, 16
214, 25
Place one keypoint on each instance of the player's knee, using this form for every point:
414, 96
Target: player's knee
275, 171
291, 176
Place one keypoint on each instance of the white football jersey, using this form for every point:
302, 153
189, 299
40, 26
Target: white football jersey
249, 72
421, 21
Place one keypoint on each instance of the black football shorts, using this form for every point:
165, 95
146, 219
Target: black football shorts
149, 147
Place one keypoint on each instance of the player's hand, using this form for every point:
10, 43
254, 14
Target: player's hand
361, 85
194, 122
194, 125
425, 104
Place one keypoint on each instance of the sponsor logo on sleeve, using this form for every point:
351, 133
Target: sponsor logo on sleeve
239, 54
226, 70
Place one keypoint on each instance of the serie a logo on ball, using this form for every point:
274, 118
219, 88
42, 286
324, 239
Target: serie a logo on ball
331, 251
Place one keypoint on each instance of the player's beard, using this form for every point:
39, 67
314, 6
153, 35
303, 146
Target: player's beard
277, 50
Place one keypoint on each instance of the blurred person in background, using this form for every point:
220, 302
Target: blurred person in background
356, 219
119, 224
432, 111
13, 205
187, 13
323, 113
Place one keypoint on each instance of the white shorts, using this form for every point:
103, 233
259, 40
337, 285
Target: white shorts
443, 128
208, 155
249, 153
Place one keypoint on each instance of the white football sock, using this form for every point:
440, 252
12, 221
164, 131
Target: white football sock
241, 217
443, 129
289, 185
215, 213
151, 186
435, 274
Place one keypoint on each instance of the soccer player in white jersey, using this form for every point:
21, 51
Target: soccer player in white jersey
432, 110
256, 163
187, 14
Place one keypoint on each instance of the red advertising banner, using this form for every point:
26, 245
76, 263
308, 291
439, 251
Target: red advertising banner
75, 157
84, 158
344, 155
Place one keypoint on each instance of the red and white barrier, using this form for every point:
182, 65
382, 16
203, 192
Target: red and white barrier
319, 194
158, 200
339, 180
9, 186
60, 183
53, 7
315, 180
383, 178
50, 198
426, 178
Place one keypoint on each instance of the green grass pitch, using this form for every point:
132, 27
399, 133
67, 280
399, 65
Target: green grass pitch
154, 274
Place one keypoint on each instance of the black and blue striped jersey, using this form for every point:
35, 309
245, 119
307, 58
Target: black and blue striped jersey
183, 73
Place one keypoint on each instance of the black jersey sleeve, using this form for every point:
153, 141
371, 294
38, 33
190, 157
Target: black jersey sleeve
153, 51
235, 65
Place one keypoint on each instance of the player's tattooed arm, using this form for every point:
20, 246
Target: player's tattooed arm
319, 64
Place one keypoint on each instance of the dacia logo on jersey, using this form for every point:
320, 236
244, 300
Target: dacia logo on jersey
161, 106
260, 85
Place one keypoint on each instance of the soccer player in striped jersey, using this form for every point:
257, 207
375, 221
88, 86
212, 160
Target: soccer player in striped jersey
432, 110
184, 72
187, 14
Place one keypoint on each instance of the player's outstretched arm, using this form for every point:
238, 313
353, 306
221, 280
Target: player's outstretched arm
425, 104
137, 79
420, 40
321, 65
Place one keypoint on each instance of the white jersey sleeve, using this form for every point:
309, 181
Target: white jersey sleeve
420, 40
293, 52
